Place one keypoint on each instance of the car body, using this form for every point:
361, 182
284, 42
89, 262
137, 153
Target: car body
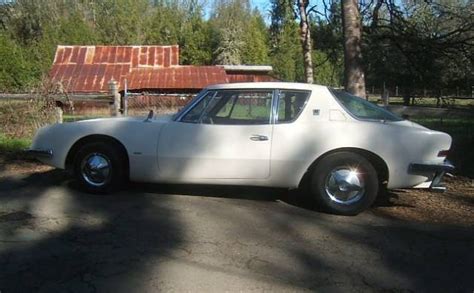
256, 134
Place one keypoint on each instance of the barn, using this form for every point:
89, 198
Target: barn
149, 76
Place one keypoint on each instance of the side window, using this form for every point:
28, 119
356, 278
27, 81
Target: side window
239, 107
363, 109
195, 113
291, 104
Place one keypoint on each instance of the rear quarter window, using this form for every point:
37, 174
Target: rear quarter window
361, 108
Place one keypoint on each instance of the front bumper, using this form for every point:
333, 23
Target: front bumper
43, 153
434, 172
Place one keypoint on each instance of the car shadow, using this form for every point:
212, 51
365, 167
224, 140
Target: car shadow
55, 238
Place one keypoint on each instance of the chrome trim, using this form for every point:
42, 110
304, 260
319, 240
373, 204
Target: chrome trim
191, 105
258, 137
44, 153
416, 168
204, 94
277, 105
345, 185
96, 169
437, 172
205, 108
275, 101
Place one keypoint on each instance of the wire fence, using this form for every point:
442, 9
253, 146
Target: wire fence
135, 104
447, 98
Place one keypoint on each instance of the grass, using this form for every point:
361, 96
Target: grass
427, 102
12, 148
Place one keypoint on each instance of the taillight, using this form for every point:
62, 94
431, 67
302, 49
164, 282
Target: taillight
443, 153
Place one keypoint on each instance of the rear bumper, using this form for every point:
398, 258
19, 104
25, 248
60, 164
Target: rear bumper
434, 172
42, 153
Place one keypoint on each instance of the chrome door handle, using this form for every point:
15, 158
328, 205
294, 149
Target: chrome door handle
257, 137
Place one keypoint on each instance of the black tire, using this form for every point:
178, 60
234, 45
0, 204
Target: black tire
117, 171
322, 182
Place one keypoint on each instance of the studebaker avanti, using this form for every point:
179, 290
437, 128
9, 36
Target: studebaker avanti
340, 148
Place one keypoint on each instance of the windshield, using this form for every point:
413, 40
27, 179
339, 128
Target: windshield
363, 109
188, 105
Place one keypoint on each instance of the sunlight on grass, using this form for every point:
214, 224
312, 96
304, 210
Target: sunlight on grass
13, 145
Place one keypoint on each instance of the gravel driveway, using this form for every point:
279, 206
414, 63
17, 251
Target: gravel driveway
54, 238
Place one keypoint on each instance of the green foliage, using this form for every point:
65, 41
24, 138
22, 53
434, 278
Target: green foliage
409, 44
327, 71
422, 45
286, 53
195, 41
165, 25
13, 145
15, 69
255, 49
228, 27
121, 22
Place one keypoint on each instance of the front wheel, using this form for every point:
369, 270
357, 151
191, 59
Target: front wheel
99, 168
344, 183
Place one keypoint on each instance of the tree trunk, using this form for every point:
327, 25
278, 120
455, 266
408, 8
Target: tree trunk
305, 37
354, 80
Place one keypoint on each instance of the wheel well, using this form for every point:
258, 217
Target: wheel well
96, 138
376, 161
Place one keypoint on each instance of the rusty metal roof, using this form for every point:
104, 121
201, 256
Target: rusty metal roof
180, 77
249, 77
90, 68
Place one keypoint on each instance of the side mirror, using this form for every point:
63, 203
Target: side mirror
150, 116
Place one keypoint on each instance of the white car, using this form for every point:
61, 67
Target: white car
343, 149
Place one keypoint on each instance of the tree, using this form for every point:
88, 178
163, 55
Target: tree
165, 24
328, 54
121, 22
195, 41
305, 38
15, 71
228, 26
421, 45
285, 52
354, 79
255, 38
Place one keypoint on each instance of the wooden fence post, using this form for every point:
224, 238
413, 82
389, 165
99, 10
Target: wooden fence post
113, 90
385, 95
59, 114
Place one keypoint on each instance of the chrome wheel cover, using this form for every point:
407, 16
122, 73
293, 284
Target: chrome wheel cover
95, 169
345, 185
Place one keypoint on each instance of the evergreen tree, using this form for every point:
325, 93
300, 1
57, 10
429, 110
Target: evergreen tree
255, 49
286, 52
165, 24
14, 72
195, 41
121, 22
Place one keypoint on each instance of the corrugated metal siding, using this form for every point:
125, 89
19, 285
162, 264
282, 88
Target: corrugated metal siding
88, 69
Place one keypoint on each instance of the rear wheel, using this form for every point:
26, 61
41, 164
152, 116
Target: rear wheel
344, 183
99, 168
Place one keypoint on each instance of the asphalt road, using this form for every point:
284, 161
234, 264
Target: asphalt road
54, 238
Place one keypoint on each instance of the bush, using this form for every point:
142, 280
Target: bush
21, 119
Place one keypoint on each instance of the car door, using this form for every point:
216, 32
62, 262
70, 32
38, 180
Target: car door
227, 134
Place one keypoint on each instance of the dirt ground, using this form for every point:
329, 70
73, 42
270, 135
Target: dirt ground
453, 207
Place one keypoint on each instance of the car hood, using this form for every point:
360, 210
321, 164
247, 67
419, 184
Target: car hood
132, 119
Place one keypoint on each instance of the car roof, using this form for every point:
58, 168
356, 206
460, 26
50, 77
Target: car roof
267, 85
